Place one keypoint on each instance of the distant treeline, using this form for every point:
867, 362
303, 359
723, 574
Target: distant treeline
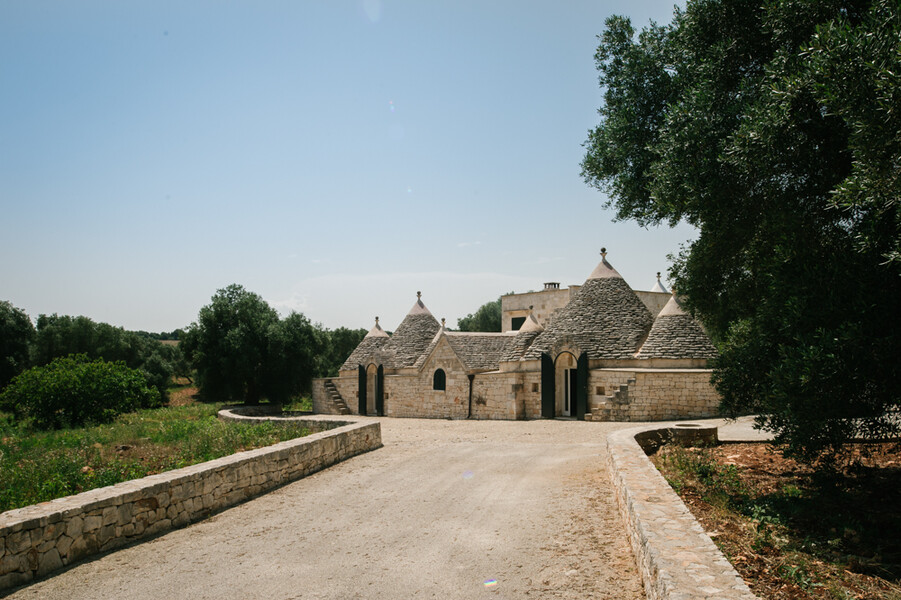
25, 344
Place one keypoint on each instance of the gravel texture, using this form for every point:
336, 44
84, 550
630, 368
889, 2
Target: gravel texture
447, 509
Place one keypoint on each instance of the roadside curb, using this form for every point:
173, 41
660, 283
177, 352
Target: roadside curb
41, 539
676, 558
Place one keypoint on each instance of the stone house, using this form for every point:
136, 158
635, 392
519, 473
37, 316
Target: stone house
599, 351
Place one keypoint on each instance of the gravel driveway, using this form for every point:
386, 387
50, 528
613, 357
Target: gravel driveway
447, 509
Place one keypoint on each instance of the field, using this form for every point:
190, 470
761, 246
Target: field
39, 466
793, 533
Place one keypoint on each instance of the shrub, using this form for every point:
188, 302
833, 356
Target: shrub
74, 390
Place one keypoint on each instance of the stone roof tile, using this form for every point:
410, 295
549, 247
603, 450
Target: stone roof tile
675, 334
603, 318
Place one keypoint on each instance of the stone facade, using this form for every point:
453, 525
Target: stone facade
642, 356
37, 540
543, 305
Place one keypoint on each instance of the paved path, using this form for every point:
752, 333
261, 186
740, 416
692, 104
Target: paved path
443, 508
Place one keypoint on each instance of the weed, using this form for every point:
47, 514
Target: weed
39, 466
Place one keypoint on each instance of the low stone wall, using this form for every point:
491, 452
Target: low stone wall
676, 558
37, 540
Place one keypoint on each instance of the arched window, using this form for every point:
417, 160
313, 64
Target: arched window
438, 381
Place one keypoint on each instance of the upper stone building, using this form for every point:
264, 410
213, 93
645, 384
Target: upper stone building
599, 351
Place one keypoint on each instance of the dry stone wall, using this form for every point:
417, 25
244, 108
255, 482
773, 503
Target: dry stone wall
676, 558
37, 540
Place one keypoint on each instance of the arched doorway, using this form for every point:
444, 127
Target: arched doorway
565, 384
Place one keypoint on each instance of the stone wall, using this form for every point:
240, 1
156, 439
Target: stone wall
412, 395
37, 540
544, 304
347, 386
654, 395
655, 301
676, 558
494, 396
678, 394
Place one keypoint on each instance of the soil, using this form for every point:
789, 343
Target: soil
814, 536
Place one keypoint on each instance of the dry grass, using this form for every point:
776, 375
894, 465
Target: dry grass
793, 533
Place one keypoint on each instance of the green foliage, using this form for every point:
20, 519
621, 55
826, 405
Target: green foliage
16, 334
64, 335
74, 390
773, 128
340, 343
243, 352
487, 318
39, 466
697, 467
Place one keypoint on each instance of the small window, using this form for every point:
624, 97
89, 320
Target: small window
534, 388
438, 381
517, 323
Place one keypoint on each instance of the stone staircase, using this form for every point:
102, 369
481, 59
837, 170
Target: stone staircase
335, 397
614, 407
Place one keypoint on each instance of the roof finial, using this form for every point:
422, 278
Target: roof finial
530, 307
442, 322
376, 320
418, 295
604, 253
658, 275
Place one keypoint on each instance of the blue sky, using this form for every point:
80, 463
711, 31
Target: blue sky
332, 156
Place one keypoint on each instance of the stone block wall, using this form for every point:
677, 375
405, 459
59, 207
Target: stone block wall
529, 400
37, 540
544, 304
347, 387
657, 395
494, 396
412, 395
679, 394
676, 558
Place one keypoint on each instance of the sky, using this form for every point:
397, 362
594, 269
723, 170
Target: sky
334, 157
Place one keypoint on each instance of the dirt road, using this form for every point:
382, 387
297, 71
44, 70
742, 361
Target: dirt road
447, 509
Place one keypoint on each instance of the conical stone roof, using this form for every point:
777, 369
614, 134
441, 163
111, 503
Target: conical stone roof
412, 337
603, 318
658, 286
524, 338
369, 349
675, 334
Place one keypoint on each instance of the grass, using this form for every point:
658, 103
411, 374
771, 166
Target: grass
793, 532
301, 404
39, 466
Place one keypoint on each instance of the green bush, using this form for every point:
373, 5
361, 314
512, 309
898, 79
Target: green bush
74, 390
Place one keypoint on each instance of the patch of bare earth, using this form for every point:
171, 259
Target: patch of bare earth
182, 396
793, 534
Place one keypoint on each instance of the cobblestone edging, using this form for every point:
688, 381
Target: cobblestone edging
37, 540
676, 558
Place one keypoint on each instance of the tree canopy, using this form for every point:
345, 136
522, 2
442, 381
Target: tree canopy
75, 390
773, 127
62, 335
242, 351
16, 335
486, 318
